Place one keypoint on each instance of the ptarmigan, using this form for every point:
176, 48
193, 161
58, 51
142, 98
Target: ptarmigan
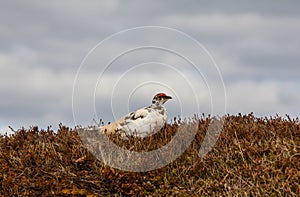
143, 122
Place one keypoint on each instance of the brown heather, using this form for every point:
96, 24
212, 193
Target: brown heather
252, 157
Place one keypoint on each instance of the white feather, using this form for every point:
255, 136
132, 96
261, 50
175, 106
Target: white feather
143, 122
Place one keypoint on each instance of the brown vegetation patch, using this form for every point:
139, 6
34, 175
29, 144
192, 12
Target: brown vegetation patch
253, 156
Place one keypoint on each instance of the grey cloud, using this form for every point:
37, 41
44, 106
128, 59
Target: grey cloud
29, 97
43, 44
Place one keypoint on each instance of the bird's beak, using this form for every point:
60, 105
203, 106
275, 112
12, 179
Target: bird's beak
167, 97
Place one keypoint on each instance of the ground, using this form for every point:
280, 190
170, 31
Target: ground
253, 156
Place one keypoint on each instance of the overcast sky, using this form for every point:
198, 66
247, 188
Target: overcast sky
255, 46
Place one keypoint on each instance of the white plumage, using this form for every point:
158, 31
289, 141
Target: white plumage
143, 122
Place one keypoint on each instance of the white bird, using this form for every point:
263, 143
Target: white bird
143, 122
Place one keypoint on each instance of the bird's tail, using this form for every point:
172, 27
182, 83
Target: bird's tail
109, 129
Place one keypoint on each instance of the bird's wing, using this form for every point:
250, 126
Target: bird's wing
141, 113
131, 117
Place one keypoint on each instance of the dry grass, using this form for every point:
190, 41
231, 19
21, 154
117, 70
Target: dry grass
252, 157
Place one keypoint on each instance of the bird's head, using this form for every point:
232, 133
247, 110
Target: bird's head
160, 98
